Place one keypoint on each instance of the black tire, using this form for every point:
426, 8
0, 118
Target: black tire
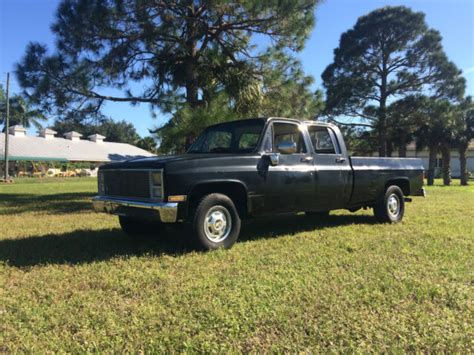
319, 214
215, 223
139, 229
390, 207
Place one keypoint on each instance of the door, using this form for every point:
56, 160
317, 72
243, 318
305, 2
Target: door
289, 185
332, 169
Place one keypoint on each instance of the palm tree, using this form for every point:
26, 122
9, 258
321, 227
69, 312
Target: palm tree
403, 119
21, 113
435, 132
448, 141
465, 133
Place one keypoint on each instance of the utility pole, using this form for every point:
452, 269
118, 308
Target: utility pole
7, 126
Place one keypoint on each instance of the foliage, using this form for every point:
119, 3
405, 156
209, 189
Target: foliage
389, 53
436, 131
464, 134
73, 282
404, 117
147, 143
21, 112
187, 123
283, 90
114, 131
359, 141
174, 50
465, 121
2, 106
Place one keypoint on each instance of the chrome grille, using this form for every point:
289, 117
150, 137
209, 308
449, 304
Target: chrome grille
126, 183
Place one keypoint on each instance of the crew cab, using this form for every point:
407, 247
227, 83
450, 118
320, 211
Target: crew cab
250, 168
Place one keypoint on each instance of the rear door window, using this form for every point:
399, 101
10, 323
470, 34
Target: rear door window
248, 141
219, 142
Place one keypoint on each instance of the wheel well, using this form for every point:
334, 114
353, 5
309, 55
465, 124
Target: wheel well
404, 184
234, 190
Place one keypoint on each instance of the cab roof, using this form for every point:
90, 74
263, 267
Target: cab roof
275, 118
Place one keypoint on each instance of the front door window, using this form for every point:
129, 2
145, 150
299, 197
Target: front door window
288, 132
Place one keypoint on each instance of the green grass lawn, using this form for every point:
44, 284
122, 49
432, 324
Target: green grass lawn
71, 281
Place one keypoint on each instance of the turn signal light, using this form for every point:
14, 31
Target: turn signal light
177, 198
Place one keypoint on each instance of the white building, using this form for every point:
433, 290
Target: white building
455, 166
47, 147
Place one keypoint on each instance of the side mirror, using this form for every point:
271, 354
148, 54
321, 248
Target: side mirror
286, 147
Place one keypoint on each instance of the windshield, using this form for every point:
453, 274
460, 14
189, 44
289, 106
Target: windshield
232, 137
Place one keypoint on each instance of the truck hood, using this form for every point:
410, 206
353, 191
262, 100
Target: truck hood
159, 162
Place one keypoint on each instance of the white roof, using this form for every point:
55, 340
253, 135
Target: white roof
96, 136
48, 131
72, 134
39, 148
17, 127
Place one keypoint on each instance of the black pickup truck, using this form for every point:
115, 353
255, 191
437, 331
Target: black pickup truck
251, 168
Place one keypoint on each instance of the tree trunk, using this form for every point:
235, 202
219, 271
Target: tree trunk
389, 149
191, 95
382, 113
402, 148
382, 126
191, 84
432, 163
446, 155
191, 74
463, 163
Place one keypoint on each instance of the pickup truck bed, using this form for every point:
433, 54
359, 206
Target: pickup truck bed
372, 174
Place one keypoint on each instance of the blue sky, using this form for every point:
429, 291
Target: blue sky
22, 21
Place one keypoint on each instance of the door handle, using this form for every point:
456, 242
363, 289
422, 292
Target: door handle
306, 159
340, 160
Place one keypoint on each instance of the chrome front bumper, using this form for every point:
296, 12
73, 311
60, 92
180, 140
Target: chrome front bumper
168, 212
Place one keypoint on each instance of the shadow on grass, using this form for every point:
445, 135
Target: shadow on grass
275, 226
85, 246
53, 203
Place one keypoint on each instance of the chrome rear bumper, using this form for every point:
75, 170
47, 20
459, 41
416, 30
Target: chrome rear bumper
168, 212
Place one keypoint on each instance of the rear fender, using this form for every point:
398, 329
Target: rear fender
402, 182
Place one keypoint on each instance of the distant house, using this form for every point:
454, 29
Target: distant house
455, 168
46, 147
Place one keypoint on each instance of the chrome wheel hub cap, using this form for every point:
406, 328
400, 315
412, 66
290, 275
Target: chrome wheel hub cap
217, 224
393, 205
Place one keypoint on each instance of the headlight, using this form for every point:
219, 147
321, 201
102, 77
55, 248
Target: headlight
156, 184
156, 178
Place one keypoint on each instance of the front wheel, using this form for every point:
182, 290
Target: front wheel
216, 223
390, 207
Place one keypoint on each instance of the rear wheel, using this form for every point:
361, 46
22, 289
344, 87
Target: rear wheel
137, 228
216, 223
390, 207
